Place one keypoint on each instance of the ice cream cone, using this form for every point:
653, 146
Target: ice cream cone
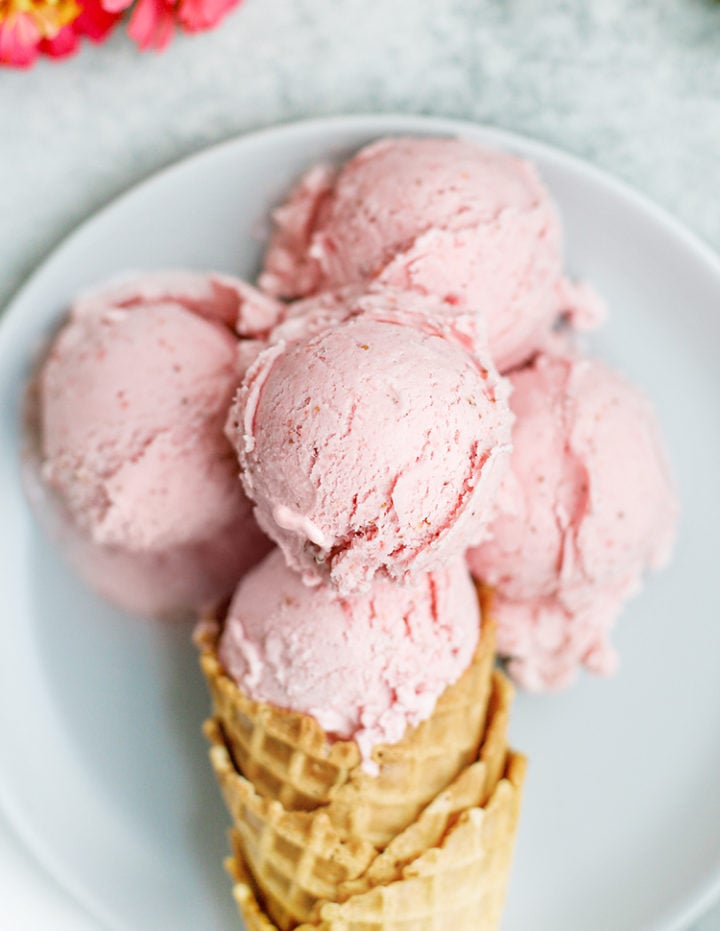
458, 883
472, 788
299, 858
287, 756
245, 896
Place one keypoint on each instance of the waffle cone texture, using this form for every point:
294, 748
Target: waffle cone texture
319, 843
458, 884
299, 859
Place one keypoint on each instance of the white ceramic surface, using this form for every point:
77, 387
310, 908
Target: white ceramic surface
32, 900
102, 768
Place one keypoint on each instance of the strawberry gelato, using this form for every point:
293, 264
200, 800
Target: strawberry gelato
133, 461
366, 667
586, 507
371, 446
472, 226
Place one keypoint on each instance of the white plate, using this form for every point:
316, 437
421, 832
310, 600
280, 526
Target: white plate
102, 766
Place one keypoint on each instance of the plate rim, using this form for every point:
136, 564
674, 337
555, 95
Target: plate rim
373, 124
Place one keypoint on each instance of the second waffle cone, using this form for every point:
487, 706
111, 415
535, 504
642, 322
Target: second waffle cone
459, 882
299, 859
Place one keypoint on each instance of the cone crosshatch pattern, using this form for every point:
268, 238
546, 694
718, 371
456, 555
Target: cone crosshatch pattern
299, 855
319, 843
459, 884
298, 858
473, 787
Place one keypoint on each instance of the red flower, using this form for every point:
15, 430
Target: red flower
153, 21
29, 28
93, 22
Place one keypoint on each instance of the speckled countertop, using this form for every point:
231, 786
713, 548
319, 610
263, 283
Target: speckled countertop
631, 85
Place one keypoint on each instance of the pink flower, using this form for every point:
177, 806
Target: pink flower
153, 21
198, 15
29, 28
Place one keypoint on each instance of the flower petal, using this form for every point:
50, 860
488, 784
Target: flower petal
95, 20
63, 44
152, 24
19, 38
197, 15
115, 6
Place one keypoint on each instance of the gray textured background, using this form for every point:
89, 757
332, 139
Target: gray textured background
632, 85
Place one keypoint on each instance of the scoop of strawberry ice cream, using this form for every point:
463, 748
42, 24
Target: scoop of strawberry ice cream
472, 226
371, 445
309, 317
366, 667
586, 507
213, 296
130, 405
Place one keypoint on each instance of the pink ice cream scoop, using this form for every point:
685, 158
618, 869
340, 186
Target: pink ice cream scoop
586, 507
372, 446
472, 226
131, 401
309, 317
366, 667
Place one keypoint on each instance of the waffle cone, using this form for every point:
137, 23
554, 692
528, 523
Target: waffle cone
299, 858
245, 896
458, 883
472, 788
287, 756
